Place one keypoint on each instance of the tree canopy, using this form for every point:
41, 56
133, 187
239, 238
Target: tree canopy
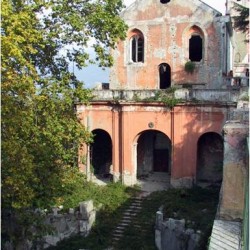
241, 20
40, 131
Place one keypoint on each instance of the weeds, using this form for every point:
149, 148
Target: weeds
197, 206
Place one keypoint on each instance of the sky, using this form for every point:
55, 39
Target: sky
92, 75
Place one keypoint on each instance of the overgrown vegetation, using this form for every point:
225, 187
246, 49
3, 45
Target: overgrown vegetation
165, 96
241, 20
189, 67
111, 200
40, 132
197, 206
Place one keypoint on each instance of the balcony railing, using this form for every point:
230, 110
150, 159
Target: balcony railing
236, 82
209, 95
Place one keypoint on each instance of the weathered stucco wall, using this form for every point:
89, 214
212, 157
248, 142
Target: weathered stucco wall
166, 29
235, 171
183, 125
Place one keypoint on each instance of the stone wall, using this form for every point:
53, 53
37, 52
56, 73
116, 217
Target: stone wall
65, 225
171, 234
188, 94
71, 223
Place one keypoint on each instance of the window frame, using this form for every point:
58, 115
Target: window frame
137, 49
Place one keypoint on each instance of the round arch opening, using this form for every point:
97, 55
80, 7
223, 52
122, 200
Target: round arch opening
210, 151
101, 153
153, 153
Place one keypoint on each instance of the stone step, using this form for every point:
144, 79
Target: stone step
132, 210
138, 201
119, 230
224, 240
127, 217
220, 246
124, 223
226, 234
129, 214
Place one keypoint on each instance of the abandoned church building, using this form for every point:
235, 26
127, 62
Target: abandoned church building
169, 95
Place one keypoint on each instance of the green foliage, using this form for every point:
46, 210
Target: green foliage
112, 199
241, 21
197, 206
245, 97
40, 131
165, 96
189, 67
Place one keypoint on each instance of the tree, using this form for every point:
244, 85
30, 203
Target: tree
40, 132
241, 21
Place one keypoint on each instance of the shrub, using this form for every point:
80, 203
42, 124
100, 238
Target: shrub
189, 67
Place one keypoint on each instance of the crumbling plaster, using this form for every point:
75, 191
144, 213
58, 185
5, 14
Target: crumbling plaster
165, 28
183, 126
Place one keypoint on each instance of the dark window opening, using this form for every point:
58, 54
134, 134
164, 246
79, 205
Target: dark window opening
101, 153
165, 76
164, 1
137, 48
105, 85
134, 49
195, 48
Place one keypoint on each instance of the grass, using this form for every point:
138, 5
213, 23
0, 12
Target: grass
197, 206
112, 199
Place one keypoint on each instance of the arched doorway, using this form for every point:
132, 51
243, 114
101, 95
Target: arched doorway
210, 158
101, 153
153, 153
164, 76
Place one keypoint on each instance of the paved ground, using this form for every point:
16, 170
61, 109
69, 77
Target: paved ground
156, 181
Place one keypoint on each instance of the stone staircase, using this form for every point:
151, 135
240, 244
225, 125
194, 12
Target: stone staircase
127, 218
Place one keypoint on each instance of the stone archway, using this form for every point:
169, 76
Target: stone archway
210, 150
153, 153
101, 153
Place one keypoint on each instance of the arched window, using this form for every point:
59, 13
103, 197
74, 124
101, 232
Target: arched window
137, 48
164, 1
195, 48
196, 44
164, 76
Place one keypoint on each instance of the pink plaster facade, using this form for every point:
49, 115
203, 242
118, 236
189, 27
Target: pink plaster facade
183, 125
165, 30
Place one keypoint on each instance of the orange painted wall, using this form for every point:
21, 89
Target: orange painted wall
183, 125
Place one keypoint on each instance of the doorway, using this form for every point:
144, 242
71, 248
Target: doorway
101, 153
153, 153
